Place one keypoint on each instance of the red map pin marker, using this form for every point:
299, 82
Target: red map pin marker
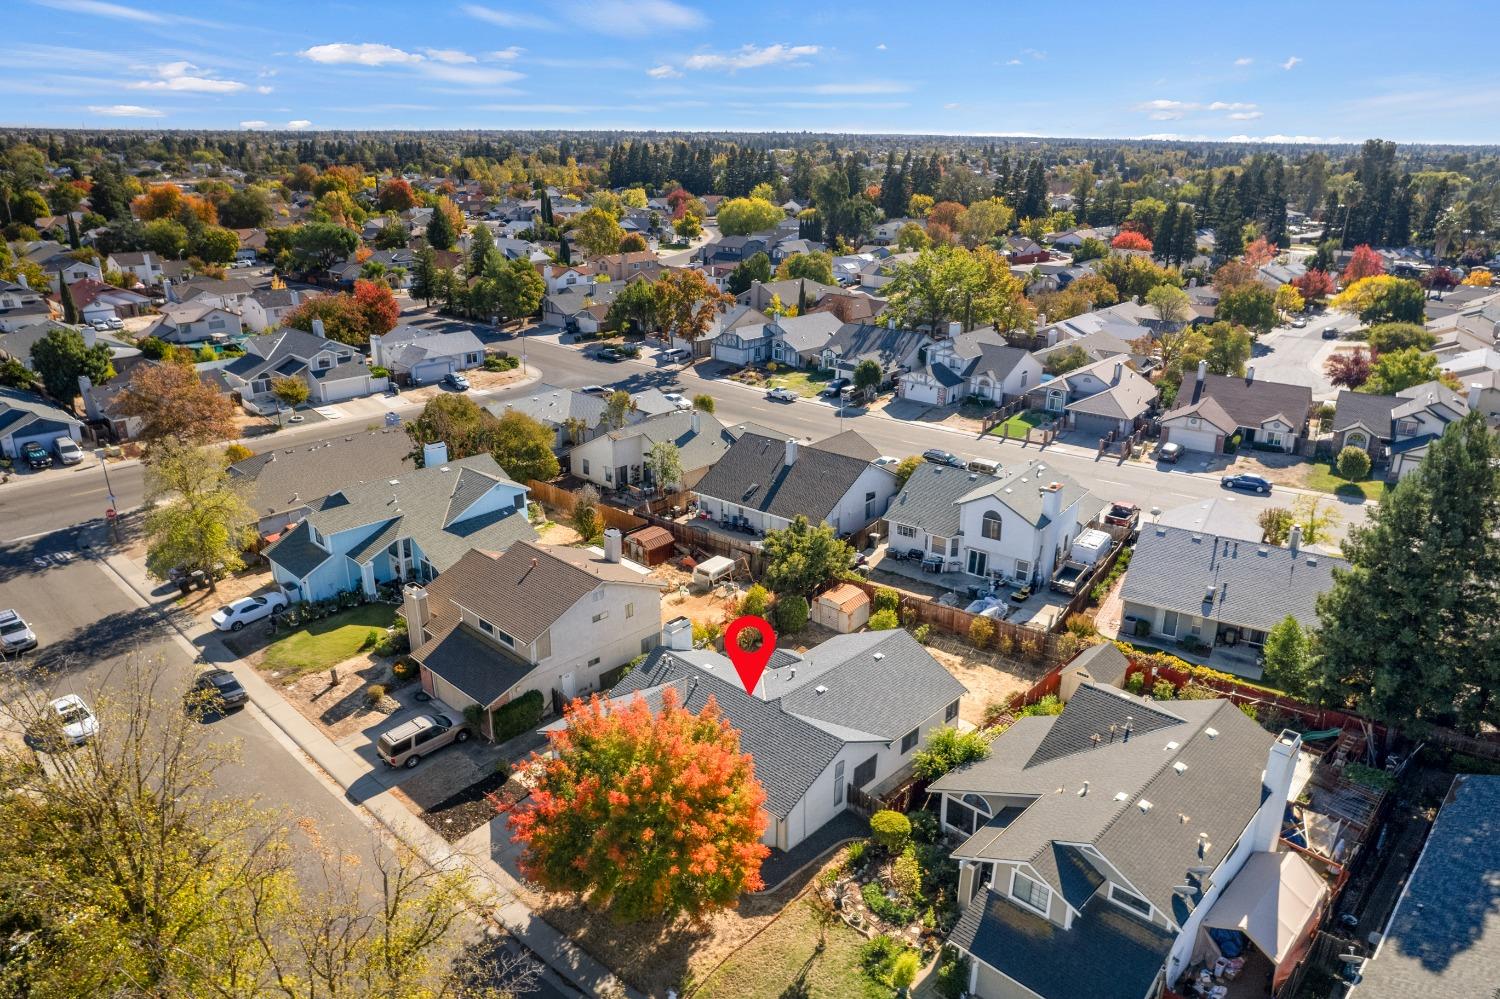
749, 664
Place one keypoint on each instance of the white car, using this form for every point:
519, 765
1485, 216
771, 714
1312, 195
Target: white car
68, 451
594, 390
75, 722
114, 323
782, 395
677, 401
886, 461
16, 635
235, 616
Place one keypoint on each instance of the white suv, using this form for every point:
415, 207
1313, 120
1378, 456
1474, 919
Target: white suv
16, 635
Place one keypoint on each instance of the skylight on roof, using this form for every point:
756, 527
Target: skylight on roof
1122, 796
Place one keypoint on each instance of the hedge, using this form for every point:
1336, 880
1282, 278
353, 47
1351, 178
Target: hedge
520, 715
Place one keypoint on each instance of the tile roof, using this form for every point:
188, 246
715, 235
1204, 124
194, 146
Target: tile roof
1444, 937
753, 473
1248, 403
284, 478
1253, 586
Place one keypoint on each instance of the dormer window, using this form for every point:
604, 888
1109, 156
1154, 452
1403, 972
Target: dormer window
1129, 900
1030, 892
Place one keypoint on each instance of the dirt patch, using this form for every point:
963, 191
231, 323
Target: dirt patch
461, 813
1281, 469
554, 533
480, 380
680, 600
336, 699
986, 678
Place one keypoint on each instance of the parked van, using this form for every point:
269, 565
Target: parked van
675, 355
984, 466
407, 743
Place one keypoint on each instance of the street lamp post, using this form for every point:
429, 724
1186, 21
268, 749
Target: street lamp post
111, 513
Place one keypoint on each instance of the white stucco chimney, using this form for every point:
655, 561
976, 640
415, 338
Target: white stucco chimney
954, 329
613, 540
1474, 390
1202, 371
1281, 764
1052, 500
695, 422
434, 454
1249, 375
414, 608
1294, 539
1119, 370
791, 451
318, 328
677, 634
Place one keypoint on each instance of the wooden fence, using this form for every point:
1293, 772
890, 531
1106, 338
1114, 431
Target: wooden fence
563, 500
919, 610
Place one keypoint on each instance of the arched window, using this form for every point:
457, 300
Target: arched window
968, 813
990, 525
1357, 439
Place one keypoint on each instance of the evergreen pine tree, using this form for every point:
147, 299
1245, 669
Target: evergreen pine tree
1185, 241
1166, 232
73, 240
65, 294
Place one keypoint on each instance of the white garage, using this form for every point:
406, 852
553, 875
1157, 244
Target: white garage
1204, 437
25, 417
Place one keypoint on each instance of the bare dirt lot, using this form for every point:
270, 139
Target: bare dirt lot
480, 380
988, 678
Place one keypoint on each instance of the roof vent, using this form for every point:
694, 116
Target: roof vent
879, 655
1197, 539
1212, 733
1179, 766
1161, 532
1122, 796
973, 477
443, 469
1143, 805
1262, 551
1084, 790
1171, 746
820, 689
394, 482
1183, 818
1313, 561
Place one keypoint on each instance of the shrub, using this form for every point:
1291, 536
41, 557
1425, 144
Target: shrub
501, 362
1353, 464
947, 749
906, 875
1163, 690
1048, 705
791, 614
857, 850
887, 599
1250, 710
706, 633
890, 830
922, 632
379, 371
981, 632
1081, 625
924, 826
756, 601
952, 974
374, 694
405, 669
879, 952
904, 969
1135, 683
152, 348
1006, 644
888, 909
520, 715
1142, 628
884, 621
237, 452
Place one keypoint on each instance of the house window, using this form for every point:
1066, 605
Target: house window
966, 814
1023, 570
952, 712
592, 663
838, 783
989, 526
629, 611
865, 772
953, 547
585, 466
1129, 899
869, 505
908, 741
494, 632
939, 545
324, 362
1030, 892
906, 530
600, 616
1406, 428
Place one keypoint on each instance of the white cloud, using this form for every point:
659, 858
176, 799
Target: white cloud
1246, 115
505, 18
1012, 62
253, 124
450, 56
880, 47
662, 72
950, 107
1162, 109
361, 54
98, 8
474, 75
1231, 106
126, 111
1291, 61
297, 124
506, 54
263, 89
184, 77
750, 57
1243, 61
622, 18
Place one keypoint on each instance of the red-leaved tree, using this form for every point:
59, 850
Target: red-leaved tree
1440, 278
376, 306
1131, 240
653, 815
1349, 370
1315, 285
1258, 252
1364, 263
395, 195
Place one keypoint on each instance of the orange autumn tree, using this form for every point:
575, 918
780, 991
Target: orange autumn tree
653, 814
1363, 262
1128, 239
1258, 252
376, 306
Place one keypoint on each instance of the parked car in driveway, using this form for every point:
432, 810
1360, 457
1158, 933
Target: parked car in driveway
16, 635
36, 456
67, 722
407, 743
782, 394
456, 381
887, 461
217, 691
1169, 453
1298, 323
68, 451
246, 610
940, 457
1247, 483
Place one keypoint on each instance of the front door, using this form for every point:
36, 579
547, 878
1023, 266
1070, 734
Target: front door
569, 685
979, 562
1169, 624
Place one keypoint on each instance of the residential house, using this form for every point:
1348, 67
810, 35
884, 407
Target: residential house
1210, 409
1444, 937
21, 305
333, 371
882, 270
537, 617
653, 402
252, 243
143, 265
561, 277
227, 293
285, 484
573, 417
1396, 429
733, 249
59, 263
25, 417
895, 350
1104, 397
766, 482
97, 301
734, 318
266, 309
195, 322
1095, 346
408, 528
793, 293
624, 266
1275, 274
580, 308
798, 341
616, 458
889, 232
1017, 526
851, 306
847, 715
1020, 250
417, 356
745, 345
1186, 585
1098, 844
979, 364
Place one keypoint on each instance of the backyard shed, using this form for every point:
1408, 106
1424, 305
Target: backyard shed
844, 608
650, 545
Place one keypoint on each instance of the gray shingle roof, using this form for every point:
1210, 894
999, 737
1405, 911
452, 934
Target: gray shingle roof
1020, 488
296, 553
23, 412
289, 477
754, 474
1104, 662
881, 343
1106, 954
809, 332
695, 450
1248, 403
1444, 938
1362, 408
929, 500
479, 668
553, 406
1255, 586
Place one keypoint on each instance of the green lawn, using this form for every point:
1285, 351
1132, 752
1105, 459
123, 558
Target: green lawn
804, 383
784, 961
1323, 477
321, 644
1021, 422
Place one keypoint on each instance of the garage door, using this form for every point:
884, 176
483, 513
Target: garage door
1092, 423
1195, 440
431, 371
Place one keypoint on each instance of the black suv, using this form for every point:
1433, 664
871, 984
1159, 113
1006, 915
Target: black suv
36, 456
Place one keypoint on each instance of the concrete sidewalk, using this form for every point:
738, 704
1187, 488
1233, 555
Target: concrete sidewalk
354, 776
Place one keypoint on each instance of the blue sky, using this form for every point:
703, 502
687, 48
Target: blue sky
1329, 71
